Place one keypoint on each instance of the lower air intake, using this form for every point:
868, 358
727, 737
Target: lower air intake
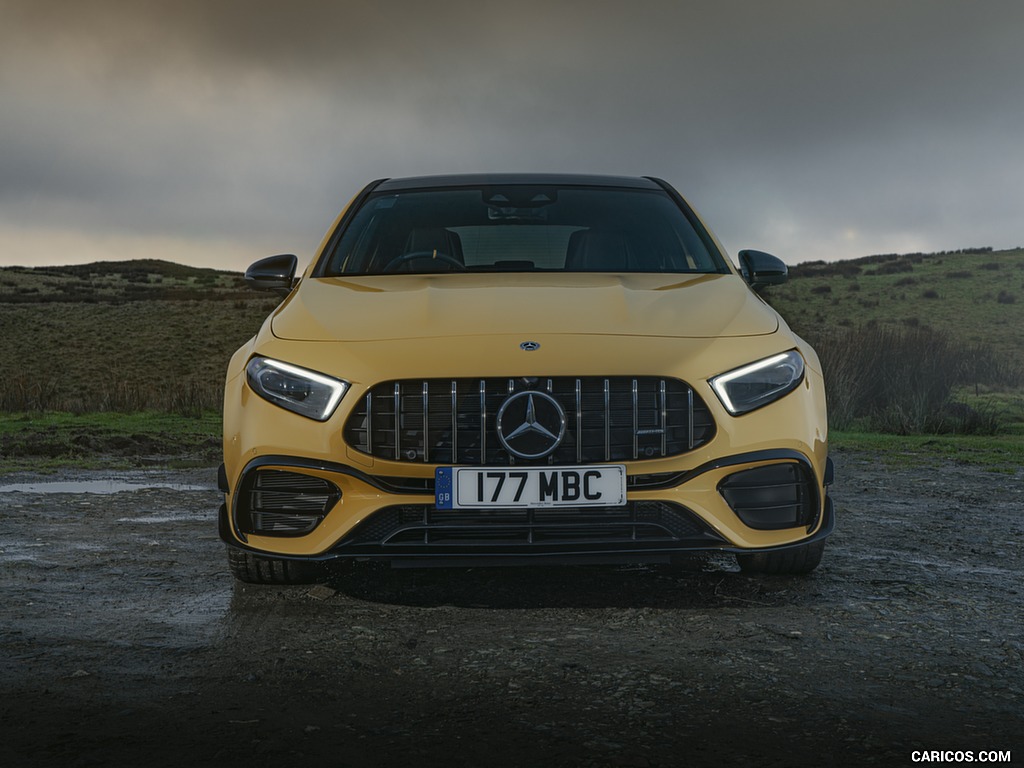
774, 497
273, 502
424, 528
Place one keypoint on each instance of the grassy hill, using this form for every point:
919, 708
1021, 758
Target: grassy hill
121, 336
975, 296
152, 335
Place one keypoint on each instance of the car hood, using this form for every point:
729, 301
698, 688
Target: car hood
377, 308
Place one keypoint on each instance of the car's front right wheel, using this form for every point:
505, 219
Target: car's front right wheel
257, 569
793, 560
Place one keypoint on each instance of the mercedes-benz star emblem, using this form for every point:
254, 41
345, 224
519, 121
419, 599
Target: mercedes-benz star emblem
531, 424
530, 346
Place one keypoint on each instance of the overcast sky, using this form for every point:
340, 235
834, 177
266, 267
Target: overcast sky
216, 132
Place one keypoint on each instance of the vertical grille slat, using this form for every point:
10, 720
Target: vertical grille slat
455, 419
369, 422
663, 421
425, 441
636, 420
483, 421
607, 421
689, 418
579, 421
452, 421
398, 421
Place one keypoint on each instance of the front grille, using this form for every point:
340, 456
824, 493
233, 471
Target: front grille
273, 502
453, 421
773, 497
424, 528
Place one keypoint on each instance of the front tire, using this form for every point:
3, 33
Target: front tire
259, 569
791, 561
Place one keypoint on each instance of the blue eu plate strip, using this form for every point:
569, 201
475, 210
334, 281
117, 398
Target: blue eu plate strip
443, 490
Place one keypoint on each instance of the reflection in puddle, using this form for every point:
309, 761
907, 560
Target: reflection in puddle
97, 486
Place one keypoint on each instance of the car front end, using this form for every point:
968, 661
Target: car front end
499, 409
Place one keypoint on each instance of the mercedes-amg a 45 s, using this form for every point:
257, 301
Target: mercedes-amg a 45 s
522, 369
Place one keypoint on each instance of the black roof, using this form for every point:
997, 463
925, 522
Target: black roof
504, 179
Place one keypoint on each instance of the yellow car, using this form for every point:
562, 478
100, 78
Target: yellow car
499, 369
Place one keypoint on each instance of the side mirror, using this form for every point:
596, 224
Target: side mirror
275, 273
761, 269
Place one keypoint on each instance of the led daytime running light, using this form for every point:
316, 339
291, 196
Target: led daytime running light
325, 392
721, 384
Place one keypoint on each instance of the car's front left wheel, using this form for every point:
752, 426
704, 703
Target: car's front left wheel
257, 569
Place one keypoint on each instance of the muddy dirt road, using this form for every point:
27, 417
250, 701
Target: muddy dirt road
123, 641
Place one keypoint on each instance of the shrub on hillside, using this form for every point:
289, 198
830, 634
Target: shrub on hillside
826, 269
901, 379
895, 267
23, 393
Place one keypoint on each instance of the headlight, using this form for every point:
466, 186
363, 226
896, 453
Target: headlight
302, 391
760, 383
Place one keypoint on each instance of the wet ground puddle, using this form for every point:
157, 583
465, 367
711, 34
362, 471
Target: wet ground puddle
98, 487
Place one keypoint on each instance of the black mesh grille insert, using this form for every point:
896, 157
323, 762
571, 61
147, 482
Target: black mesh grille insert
453, 421
773, 497
424, 527
273, 502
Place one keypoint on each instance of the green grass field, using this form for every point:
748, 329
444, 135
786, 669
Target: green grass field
1003, 453
47, 441
127, 336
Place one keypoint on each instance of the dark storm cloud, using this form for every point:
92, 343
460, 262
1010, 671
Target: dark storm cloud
815, 128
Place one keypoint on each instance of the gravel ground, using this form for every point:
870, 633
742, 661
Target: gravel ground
125, 642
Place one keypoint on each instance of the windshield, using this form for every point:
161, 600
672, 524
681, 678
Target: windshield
519, 228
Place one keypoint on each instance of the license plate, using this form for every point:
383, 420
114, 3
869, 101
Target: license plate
476, 487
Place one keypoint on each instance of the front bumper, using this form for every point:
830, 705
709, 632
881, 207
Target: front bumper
745, 503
